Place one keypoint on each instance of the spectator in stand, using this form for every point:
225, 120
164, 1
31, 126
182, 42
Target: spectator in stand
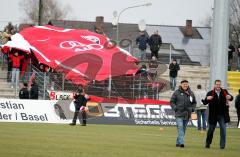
217, 100
238, 58
10, 27
34, 90
237, 106
200, 108
183, 103
173, 72
142, 70
24, 93
43, 68
231, 49
6, 36
155, 41
16, 63
9, 67
142, 41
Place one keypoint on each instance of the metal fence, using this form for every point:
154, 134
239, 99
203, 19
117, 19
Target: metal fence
152, 86
129, 87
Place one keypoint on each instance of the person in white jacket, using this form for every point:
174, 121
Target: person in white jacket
200, 108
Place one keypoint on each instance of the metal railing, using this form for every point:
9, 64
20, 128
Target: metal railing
129, 87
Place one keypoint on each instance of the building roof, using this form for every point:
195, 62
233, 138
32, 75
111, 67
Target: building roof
126, 31
198, 49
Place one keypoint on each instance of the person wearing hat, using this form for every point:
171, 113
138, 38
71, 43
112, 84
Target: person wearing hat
183, 103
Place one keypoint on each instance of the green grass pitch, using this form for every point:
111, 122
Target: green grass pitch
55, 140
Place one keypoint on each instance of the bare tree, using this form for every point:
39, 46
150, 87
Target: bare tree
234, 34
51, 10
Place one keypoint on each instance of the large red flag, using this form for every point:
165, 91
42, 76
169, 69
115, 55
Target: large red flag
80, 54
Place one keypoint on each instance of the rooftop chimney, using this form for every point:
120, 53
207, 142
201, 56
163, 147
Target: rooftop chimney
99, 24
188, 29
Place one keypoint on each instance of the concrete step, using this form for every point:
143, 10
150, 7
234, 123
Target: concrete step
166, 95
7, 89
8, 95
5, 84
190, 76
192, 83
3, 74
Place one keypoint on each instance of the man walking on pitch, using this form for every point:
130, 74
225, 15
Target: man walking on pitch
217, 100
183, 102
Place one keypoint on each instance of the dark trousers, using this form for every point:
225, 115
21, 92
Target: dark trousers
81, 115
238, 114
154, 53
9, 73
211, 129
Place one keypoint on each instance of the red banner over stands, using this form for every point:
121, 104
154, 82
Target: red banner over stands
80, 54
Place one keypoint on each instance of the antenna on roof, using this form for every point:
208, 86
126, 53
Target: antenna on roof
142, 25
115, 16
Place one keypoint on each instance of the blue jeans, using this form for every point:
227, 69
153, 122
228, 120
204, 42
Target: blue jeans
211, 129
143, 54
15, 77
181, 128
201, 119
173, 82
238, 63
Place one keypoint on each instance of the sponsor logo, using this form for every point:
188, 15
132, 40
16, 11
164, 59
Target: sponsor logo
92, 38
60, 95
78, 46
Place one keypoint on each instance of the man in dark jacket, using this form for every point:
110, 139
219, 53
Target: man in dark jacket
155, 41
173, 72
231, 50
24, 93
183, 102
142, 41
80, 101
34, 90
218, 102
238, 58
237, 105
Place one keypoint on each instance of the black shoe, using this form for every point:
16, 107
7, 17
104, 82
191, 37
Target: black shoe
207, 146
177, 145
182, 145
72, 124
222, 147
83, 124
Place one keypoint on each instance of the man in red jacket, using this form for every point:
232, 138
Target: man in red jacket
16, 62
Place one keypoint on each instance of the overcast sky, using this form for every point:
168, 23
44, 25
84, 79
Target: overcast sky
164, 12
